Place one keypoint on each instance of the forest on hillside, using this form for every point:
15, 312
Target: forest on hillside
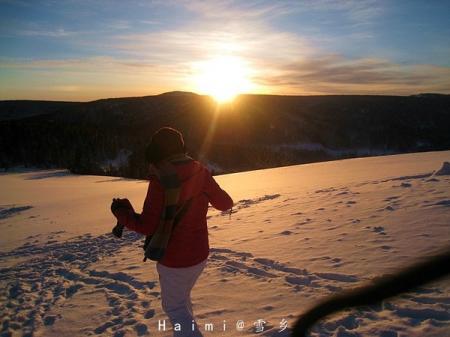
108, 137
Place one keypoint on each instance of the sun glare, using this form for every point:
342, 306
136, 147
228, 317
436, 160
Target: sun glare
222, 78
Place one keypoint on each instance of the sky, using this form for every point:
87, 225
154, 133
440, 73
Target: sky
82, 50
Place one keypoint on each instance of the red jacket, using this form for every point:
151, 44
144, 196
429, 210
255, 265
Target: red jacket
188, 244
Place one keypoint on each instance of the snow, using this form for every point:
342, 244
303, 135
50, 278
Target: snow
296, 235
444, 170
317, 147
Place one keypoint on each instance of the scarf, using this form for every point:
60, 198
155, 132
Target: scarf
156, 244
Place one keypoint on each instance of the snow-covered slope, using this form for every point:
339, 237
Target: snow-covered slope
297, 234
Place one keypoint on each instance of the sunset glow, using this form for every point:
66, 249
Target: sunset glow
223, 78
54, 50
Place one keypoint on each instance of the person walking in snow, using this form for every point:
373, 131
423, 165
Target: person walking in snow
174, 220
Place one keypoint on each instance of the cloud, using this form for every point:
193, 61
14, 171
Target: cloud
333, 74
281, 61
243, 29
55, 33
98, 64
86, 78
65, 88
202, 41
357, 11
118, 25
163, 61
150, 22
229, 9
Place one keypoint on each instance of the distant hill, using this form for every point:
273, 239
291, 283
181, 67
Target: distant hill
109, 136
22, 108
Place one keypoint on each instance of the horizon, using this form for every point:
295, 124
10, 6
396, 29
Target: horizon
212, 98
85, 51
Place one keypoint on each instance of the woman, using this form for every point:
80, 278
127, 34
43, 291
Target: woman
179, 192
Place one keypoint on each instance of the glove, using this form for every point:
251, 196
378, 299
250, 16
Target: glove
119, 204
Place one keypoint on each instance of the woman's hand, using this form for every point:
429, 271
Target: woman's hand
119, 204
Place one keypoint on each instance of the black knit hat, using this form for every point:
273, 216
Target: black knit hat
164, 143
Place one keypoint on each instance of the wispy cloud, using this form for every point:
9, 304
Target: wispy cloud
335, 74
197, 43
55, 33
88, 78
357, 11
100, 64
229, 9
118, 25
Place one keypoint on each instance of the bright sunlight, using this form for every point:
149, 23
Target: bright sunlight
223, 78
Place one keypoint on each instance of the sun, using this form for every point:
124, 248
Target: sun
223, 78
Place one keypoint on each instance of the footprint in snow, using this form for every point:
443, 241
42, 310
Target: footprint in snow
268, 270
378, 229
7, 211
59, 270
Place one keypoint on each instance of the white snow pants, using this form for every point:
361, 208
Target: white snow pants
176, 285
